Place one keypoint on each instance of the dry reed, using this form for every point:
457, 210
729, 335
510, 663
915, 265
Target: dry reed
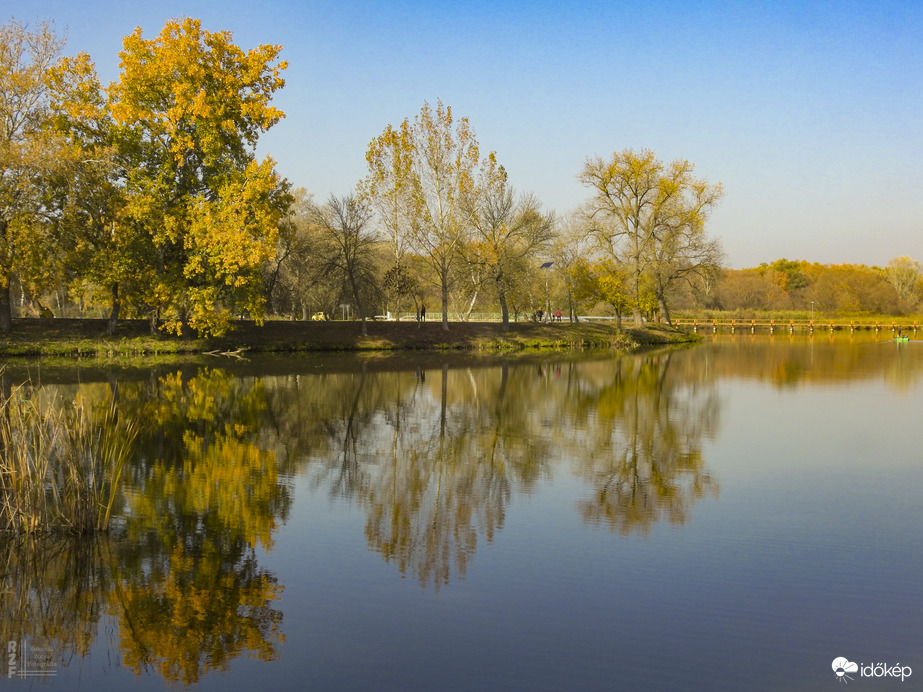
60, 464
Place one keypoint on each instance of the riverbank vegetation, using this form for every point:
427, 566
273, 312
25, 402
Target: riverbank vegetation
60, 463
145, 200
67, 338
798, 289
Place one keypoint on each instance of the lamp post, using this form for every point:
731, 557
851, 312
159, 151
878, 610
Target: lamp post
547, 266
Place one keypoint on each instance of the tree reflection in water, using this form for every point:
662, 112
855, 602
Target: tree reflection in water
646, 463
53, 590
179, 573
433, 456
434, 460
181, 617
190, 586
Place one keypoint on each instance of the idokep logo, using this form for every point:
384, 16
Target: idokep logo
843, 666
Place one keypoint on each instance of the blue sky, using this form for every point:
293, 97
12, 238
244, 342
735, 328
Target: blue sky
809, 113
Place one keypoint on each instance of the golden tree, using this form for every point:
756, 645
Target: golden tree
29, 154
650, 217
191, 106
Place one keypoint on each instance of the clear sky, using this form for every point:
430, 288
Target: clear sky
809, 113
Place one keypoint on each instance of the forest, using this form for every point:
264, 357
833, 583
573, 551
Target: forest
145, 198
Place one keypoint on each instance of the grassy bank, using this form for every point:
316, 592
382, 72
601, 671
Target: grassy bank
88, 338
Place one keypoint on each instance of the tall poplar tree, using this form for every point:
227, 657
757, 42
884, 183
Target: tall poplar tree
420, 178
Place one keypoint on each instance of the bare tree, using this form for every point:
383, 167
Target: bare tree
349, 255
570, 247
507, 230
906, 276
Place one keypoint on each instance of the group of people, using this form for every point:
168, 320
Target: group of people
540, 315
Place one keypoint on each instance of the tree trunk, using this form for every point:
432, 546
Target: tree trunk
6, 310
359, 307
445, 302
636, 307
114, 313
504, 310
636, 315
664, 312
471, 303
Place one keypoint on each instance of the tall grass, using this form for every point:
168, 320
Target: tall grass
60, 464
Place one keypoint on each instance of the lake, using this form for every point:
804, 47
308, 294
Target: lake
734, 515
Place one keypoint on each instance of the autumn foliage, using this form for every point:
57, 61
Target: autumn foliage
833, 289
148, 191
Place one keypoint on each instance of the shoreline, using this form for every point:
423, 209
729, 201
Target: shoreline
87, 338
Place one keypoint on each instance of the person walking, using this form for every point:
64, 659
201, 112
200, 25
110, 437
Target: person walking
422, 312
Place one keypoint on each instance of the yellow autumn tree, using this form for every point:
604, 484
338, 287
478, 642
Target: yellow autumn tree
29, 156
650, 217
421, 176
190, 106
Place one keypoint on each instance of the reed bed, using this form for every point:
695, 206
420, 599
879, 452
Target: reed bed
60, 463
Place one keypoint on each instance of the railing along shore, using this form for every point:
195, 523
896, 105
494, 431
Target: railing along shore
793, 326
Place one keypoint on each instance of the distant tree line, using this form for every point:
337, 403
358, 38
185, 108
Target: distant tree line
145, 198
837, 289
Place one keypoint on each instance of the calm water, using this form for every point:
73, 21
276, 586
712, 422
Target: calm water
730, 516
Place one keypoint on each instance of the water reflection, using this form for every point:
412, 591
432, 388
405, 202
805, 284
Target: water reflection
179, 573
432, 454
790, 360
643, 454
53, 591
185, 612
432, 458
179, 612
204, 495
